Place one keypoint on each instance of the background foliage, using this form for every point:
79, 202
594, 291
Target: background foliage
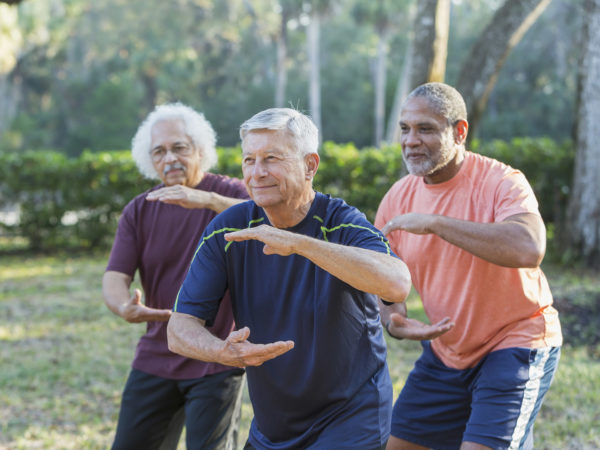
75, 202
85, 73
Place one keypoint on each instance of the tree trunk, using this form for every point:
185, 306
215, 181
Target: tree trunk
584, 208
148, 78
402, 88
281, 82
314, 87
10, 95
480, 71
430, 46
10, 57
380, 82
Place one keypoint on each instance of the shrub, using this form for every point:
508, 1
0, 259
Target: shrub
75, 202
50, 189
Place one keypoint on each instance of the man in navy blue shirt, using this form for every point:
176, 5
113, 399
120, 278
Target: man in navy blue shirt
304, 271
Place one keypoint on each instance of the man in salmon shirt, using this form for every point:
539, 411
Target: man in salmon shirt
469, 229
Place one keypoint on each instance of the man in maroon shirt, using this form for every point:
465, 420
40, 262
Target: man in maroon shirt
157, 235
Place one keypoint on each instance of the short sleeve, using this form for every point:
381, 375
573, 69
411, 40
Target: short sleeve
514, 195
355, 230
124, 253
206, 281
382, 216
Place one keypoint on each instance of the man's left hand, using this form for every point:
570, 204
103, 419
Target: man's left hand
181, 195
277, 242
416, 223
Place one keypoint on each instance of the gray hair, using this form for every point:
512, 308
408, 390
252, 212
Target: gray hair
299, 126
444, 99
196, 127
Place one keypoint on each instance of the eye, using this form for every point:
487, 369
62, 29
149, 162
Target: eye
157, 153
182, 149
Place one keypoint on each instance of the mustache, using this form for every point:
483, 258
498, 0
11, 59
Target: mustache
174, 166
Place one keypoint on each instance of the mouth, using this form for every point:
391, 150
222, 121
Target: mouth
412, 156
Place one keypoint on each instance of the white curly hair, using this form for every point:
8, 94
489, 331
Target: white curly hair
196, 126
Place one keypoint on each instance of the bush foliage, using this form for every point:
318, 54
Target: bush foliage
75, 202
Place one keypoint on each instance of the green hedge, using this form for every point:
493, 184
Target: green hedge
47, 186
50, 188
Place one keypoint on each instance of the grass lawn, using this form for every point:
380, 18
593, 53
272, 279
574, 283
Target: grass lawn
64, 358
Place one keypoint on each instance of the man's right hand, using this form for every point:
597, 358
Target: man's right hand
134, 311
239, 352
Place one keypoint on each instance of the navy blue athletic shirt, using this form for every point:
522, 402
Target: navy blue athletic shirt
333, 389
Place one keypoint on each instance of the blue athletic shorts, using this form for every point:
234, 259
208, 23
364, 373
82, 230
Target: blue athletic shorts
494, 403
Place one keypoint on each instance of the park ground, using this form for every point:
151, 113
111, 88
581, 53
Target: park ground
64, 357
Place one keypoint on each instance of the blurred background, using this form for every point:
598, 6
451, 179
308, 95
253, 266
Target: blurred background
77, 77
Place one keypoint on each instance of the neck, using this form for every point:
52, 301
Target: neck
196, 180
449, 170
288, 215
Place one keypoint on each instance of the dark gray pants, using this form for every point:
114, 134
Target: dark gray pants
154, 410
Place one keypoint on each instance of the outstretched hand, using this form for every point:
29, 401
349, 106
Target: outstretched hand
181, 195
404, 328
277, 242
239, 352
416, 223
134, 311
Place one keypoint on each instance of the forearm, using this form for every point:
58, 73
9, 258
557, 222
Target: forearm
363, 269
188, 336
115, 290
219, 203
512, 243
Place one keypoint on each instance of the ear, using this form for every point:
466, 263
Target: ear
311, 162
461, 130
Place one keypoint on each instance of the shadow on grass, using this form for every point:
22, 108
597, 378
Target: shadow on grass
579, 322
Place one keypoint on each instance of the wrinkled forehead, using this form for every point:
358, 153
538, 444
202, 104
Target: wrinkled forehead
273, 140
420, 109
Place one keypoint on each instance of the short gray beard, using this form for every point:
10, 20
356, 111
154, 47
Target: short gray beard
429, 167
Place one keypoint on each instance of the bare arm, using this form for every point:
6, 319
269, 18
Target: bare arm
115, 289
363, 269
517, 241
192, 198
394, 319
188, 336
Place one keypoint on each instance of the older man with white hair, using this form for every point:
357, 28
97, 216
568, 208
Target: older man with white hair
304, 271
157, 235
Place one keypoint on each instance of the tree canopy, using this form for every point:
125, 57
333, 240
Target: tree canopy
81, 75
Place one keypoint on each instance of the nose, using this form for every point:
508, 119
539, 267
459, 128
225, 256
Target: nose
411, 138
170, 156
259, 170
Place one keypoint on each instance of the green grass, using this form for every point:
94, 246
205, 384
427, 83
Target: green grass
64, 358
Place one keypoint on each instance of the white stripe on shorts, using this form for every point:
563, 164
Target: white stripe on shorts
532, 388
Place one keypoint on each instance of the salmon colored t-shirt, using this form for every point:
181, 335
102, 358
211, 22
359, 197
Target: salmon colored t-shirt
493, 307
